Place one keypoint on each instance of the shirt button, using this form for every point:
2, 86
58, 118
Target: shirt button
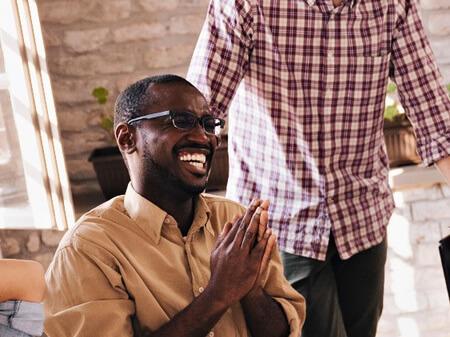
211, 334
200, 290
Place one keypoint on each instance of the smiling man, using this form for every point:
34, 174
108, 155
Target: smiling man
165, 259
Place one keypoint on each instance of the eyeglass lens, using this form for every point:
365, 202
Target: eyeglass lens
186, 121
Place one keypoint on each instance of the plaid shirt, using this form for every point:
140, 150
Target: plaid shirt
304, 87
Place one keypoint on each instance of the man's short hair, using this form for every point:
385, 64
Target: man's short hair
135, 98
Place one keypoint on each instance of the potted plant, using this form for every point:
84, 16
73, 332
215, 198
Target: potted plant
398, 133
110, 169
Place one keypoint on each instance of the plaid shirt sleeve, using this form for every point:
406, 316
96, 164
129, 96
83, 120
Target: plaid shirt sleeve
420, 85
223, 51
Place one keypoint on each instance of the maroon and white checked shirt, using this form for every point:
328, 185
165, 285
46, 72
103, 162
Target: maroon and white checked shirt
304, 85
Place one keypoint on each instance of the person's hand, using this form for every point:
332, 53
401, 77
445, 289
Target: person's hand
236, 258
262, 230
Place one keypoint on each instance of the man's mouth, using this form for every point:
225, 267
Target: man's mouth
195, 159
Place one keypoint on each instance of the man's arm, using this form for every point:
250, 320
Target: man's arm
258, 304
419, 83
222, 54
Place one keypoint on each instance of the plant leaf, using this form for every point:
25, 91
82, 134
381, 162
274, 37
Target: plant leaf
101, 94
391, 88
107, 123
390, 112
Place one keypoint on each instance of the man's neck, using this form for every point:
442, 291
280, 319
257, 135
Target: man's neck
337, 3
180, 206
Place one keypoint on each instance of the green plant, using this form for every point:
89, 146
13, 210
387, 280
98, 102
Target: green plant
101, 94
393, 111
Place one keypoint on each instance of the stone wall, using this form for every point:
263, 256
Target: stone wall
416, 301
91, 43
436, 18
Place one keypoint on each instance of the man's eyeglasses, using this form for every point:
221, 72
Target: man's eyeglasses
185, 120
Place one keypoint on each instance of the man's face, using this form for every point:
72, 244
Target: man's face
178, 158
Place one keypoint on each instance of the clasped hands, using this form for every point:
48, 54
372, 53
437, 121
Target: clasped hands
241, 255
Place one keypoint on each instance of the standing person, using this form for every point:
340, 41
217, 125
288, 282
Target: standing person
303, 84
164, 259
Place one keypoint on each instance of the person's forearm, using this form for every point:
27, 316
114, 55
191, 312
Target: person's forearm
197, 319
21, 280
444, 167
264, 316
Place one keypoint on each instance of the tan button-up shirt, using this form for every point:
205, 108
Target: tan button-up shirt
125, 267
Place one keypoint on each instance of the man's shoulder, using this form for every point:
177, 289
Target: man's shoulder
96, 224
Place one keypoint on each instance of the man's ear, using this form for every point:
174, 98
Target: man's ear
126, 137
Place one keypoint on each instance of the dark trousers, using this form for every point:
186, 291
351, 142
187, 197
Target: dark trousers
344, 298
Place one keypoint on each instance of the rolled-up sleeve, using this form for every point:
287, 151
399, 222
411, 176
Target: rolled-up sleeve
86, 296
420, 85
276, 285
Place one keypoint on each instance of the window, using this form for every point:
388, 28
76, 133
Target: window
34, 188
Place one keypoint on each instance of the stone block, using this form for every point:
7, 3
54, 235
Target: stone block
416, 194
62, 12
434, 4
441, 49
51, 37
438, 298
9, 246
107, 62
187, 24
431, 210
34, 242
445, 188
140, 31
86, 40
108, 11
92, 138
78, 90
51, 238
425, 232
159, 6
439, 23
427, 255
80, 169
429, 278
84, 187
167, 57
445, 229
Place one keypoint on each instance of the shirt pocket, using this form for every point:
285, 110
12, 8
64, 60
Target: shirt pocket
369, 31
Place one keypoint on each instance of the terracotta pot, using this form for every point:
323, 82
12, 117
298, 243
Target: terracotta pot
400, 144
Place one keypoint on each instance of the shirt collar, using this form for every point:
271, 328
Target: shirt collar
150, 218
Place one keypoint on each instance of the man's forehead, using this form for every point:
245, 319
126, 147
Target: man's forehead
176, 93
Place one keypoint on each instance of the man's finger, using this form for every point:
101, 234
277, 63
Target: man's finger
245, 222
226, 229
252, 230
233, 230
267, 251
263, 221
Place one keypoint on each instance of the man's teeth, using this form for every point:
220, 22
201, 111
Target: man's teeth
195, 159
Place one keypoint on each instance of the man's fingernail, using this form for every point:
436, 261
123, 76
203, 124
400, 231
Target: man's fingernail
258, 210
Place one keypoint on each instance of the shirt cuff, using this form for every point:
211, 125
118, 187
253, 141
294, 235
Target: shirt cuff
292, 316
437, 149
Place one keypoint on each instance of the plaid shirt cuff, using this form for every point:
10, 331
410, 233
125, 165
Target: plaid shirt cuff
435, 150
